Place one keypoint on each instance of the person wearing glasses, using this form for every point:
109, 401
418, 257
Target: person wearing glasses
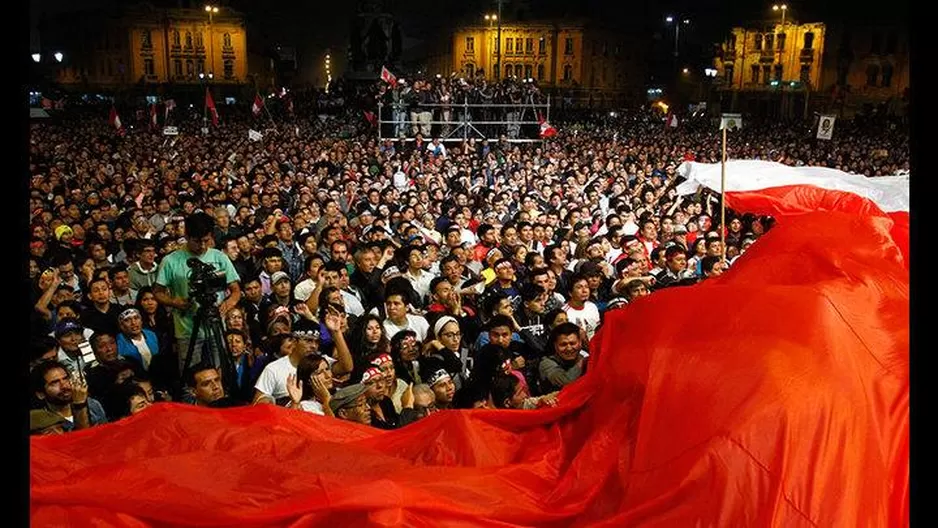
448, 348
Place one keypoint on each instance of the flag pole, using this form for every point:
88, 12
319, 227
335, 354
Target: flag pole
205, 108
723, 195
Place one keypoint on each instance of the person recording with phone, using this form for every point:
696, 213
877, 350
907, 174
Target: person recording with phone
173, 285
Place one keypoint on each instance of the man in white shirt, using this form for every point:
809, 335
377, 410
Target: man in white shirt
415, 258
580, 311
398, 319
271, 386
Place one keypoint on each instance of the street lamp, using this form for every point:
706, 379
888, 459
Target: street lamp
781, 8
36, 57
211, 10
677, 29
58, 56
686, 71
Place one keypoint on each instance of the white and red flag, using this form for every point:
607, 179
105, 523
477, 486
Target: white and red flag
258, 105
388, 77
170, 104
115, 121
153, 123
547, 131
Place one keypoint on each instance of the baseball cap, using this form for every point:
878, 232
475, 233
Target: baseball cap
279, 276
66, 326
346, 396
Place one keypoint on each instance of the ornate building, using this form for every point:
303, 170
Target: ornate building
771, 57
142, 45
556, 55
827, 68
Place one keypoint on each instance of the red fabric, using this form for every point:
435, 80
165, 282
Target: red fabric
258, 105
210, 105
790, 409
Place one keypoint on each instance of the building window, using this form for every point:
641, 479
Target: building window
805, 73
892, 42
226, 40
470, 44
767, 74
470, 70
177, 67
540, 72
519, 45
568, 46
876, 43
605, 49
188, 40
509, 46
887, 76
190, 68
200, 65
529, 46
778, 72
872, 74
146, 39
568, 72
769, 41
542, 46
148, 67
758, 46
518, 70
176, 38
528, 71
754, 78
508, 71
781, 41
809, 40
229, 69
732, 42
728, 74
198, 39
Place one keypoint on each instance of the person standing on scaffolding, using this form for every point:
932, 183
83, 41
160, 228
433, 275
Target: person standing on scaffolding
514, 112
486, 95
399, 108
446, 111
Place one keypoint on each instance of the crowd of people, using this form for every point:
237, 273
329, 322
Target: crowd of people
369, 281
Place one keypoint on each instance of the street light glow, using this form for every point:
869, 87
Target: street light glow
776, 7
687, 21
58, 56
201, 75
669, 19
686, 71
36, 57
211, 9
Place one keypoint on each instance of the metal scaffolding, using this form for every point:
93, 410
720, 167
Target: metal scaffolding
461, 126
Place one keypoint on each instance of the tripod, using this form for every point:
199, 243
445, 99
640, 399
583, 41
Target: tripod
207, 316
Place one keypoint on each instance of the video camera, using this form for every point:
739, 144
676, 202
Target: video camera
205, 281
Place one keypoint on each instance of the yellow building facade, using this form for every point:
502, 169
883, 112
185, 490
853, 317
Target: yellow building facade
557, 55
145, 45
768, 57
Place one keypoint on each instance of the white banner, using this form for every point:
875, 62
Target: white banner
731, 121
254, 135
170, 131
825, 127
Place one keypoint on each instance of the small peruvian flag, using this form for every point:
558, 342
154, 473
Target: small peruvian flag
547, 131
153, 116
115, 121
388, 77
170, 104
258, 105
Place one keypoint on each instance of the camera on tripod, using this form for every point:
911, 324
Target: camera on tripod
205, 281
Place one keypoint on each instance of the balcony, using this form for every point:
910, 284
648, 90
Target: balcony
807, 55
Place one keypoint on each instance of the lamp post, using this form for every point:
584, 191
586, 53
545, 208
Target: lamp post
784, 9
211, 10
498, 42
328, 71
677, 30
493, 19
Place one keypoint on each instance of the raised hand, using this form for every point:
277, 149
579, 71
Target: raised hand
320, 390
407, 399
294, 389
79, 390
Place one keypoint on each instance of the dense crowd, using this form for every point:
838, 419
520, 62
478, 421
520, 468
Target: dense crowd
371, 281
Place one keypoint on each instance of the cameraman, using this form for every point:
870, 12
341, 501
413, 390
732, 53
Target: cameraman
172, 285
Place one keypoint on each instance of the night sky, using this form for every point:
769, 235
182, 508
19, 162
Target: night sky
312, 27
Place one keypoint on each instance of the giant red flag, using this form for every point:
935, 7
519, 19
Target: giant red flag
774, 395
257, 105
